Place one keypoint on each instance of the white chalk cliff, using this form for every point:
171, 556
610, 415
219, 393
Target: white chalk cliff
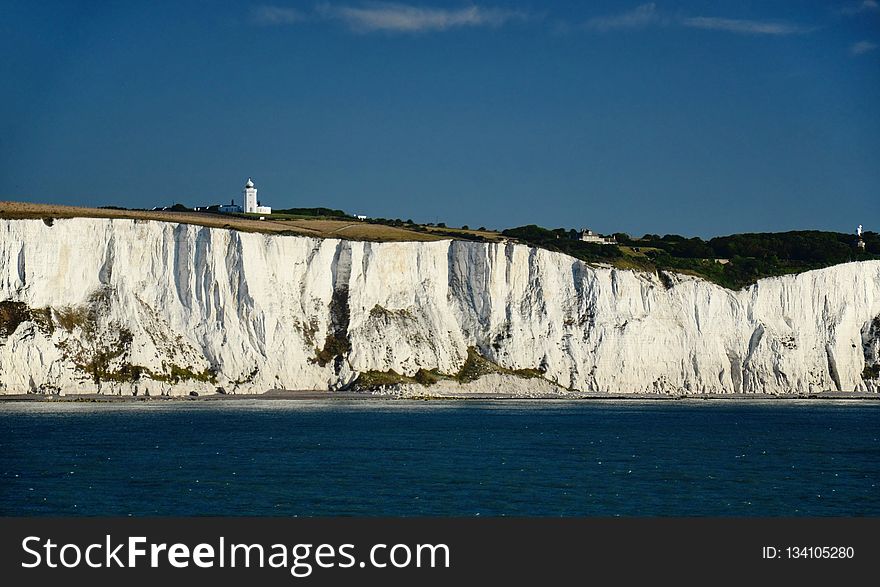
126, 305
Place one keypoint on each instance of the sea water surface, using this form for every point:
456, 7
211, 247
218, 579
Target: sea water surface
473, 458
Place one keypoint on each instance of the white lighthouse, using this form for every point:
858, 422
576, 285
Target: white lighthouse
250, 197
251, 205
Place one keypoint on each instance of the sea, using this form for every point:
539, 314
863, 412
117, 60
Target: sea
440, 458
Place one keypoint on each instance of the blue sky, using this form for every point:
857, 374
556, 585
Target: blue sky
697, 118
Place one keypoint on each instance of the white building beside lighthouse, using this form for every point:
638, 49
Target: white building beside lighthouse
251, 204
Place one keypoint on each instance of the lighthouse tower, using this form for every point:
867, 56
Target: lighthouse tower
250, 197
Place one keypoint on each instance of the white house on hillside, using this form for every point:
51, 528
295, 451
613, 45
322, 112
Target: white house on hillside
231, 208
588, 236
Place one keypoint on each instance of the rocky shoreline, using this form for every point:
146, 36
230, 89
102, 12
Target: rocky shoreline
408, 393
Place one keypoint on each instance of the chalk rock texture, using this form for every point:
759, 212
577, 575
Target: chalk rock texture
129, 306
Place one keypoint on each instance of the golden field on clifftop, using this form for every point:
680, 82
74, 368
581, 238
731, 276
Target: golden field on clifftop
314, 227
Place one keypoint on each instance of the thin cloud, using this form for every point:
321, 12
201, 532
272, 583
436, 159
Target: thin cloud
861, 7
647, 15
744, 27
862, 47
639, 17
397, 17
275, 15
404, 18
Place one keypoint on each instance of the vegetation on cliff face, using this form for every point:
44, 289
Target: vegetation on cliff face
337, 343
733, 261
474, 367
97, 347
377, 379
11, 315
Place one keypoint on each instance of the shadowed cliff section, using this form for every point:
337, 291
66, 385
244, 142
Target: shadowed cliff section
337, 344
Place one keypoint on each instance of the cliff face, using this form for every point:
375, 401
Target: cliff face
125, 306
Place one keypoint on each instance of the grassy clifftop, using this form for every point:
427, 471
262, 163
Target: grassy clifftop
320, 227
733, 261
